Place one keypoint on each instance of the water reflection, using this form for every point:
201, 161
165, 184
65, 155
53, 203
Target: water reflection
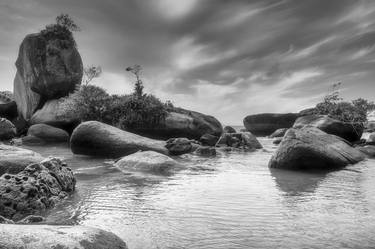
296, 183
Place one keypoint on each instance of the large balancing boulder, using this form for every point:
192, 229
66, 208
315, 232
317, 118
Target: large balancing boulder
48, 67
57, 237
99, 139
37, 188
332, 126
309, 148
148, 162
14, 159
265, 124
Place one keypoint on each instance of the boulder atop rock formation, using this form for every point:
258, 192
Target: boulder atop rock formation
266, 123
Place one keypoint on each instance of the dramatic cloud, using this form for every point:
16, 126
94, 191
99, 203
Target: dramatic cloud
225, 58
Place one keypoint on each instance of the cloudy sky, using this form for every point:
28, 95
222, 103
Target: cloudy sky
220, 57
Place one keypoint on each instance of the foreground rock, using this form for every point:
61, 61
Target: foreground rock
279, 133
147, 161
244, 140
53, 113
331, 126
14, 159
309, 148
57, 237
183, 123
266, 123
7, 129
48, 133
37, 188
98, 139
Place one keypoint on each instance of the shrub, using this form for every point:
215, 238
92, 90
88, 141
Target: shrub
61, 30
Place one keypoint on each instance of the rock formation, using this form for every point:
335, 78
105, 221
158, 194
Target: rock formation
266, 123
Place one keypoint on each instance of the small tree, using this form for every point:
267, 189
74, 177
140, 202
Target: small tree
138, 87
91, 72
66, 21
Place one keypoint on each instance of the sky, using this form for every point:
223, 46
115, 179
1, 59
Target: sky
225, 58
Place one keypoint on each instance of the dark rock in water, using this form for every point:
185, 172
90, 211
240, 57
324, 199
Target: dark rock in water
277, 140
57, 237
279, 133
48, 133
245, 140
209, 140
7, 129
182, 123
371, 139
38, 187
14, 159
53, 113
229, 129
205, 151
309, 148
179, 146
31, 141
8, 110
98, 139
368, 150
149, 162
331, 126
266, 123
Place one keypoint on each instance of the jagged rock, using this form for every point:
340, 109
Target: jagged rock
266, 123
57, 237
179, 146
182, 123
229, 129
98, 139
309, 148
7, 129
209, 140
332, 126
48, 133
14, 159
206, 151
38, 187
53, 113
279, 133
147, 161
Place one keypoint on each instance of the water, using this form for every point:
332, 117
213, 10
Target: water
232, 201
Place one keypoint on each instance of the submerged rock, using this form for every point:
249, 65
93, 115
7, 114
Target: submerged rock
98, 139
309, 148
279, 133
57, 237
147, 161
48, 133
38, 187
266, 123
14, 159
205, 151
7, 129
331, 126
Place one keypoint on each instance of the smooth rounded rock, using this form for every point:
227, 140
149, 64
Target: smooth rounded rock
279, 133
149, 162
48, 133
229, 129
99, 139
209, 140
309, 148
265, 124
57, 237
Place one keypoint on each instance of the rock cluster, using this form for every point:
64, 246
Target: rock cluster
36, 188
243, 140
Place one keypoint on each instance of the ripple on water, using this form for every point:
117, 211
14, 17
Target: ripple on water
231, 201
